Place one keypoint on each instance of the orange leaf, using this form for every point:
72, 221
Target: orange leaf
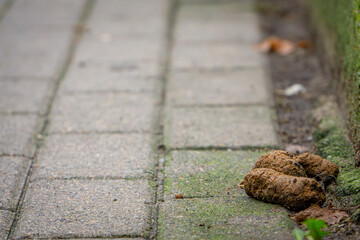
277, 45
178, 196
304, 44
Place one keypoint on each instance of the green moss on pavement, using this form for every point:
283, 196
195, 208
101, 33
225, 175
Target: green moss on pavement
207, 173
223, 218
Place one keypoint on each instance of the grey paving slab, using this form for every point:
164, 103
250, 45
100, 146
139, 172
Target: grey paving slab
13, 171
220, 127
215, 56
94, 155
108, 48
42, 12
102, 112
127, 68
16, 134
207, 173
223, 218
218, 22
92, 77
244, 29
28, 35
6, 218
129, 18
128, 9
23, 95
2, 2
83, 208
108, 238
32, 52
245, 86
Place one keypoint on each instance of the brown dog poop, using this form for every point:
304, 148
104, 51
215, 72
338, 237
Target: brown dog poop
315, 165
281, 161
295, 182
294, 193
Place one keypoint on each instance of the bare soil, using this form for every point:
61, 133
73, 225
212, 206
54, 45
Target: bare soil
288, 20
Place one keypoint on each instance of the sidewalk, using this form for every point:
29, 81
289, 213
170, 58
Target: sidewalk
108, 109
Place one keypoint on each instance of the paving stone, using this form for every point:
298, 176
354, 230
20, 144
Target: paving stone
44, 12
207, 173
6, 218
102, 112
216, 8
128, 9
216, 56
108, 238
107, 48
13, 171
83, 208
246, 86
223, 218
34, 49
129, 18
28, 35
94, 155
129, 68
219, 30
91, 77
220, 127
23, 95
2, 2
16, 134
218, 22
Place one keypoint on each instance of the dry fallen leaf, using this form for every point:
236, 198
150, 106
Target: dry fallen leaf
178, 196
330, 216
304, 44
277, 45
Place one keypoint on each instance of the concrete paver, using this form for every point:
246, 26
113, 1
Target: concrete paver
245, 86
16, 134
223, 218
102, 112
94, 155
221, 127
88, 77
6, 218
12, 179
38, 59
118, 49
23, 95
27, 23
82, 208
207, 173
129, 18
57, 13
215, 56
229, 21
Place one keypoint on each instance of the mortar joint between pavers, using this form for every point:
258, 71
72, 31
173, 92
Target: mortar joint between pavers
159, 118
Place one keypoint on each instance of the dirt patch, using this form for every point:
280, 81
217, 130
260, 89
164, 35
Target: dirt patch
287, 20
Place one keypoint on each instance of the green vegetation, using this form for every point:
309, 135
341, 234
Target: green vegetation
332, 144
342, 21
314, 231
